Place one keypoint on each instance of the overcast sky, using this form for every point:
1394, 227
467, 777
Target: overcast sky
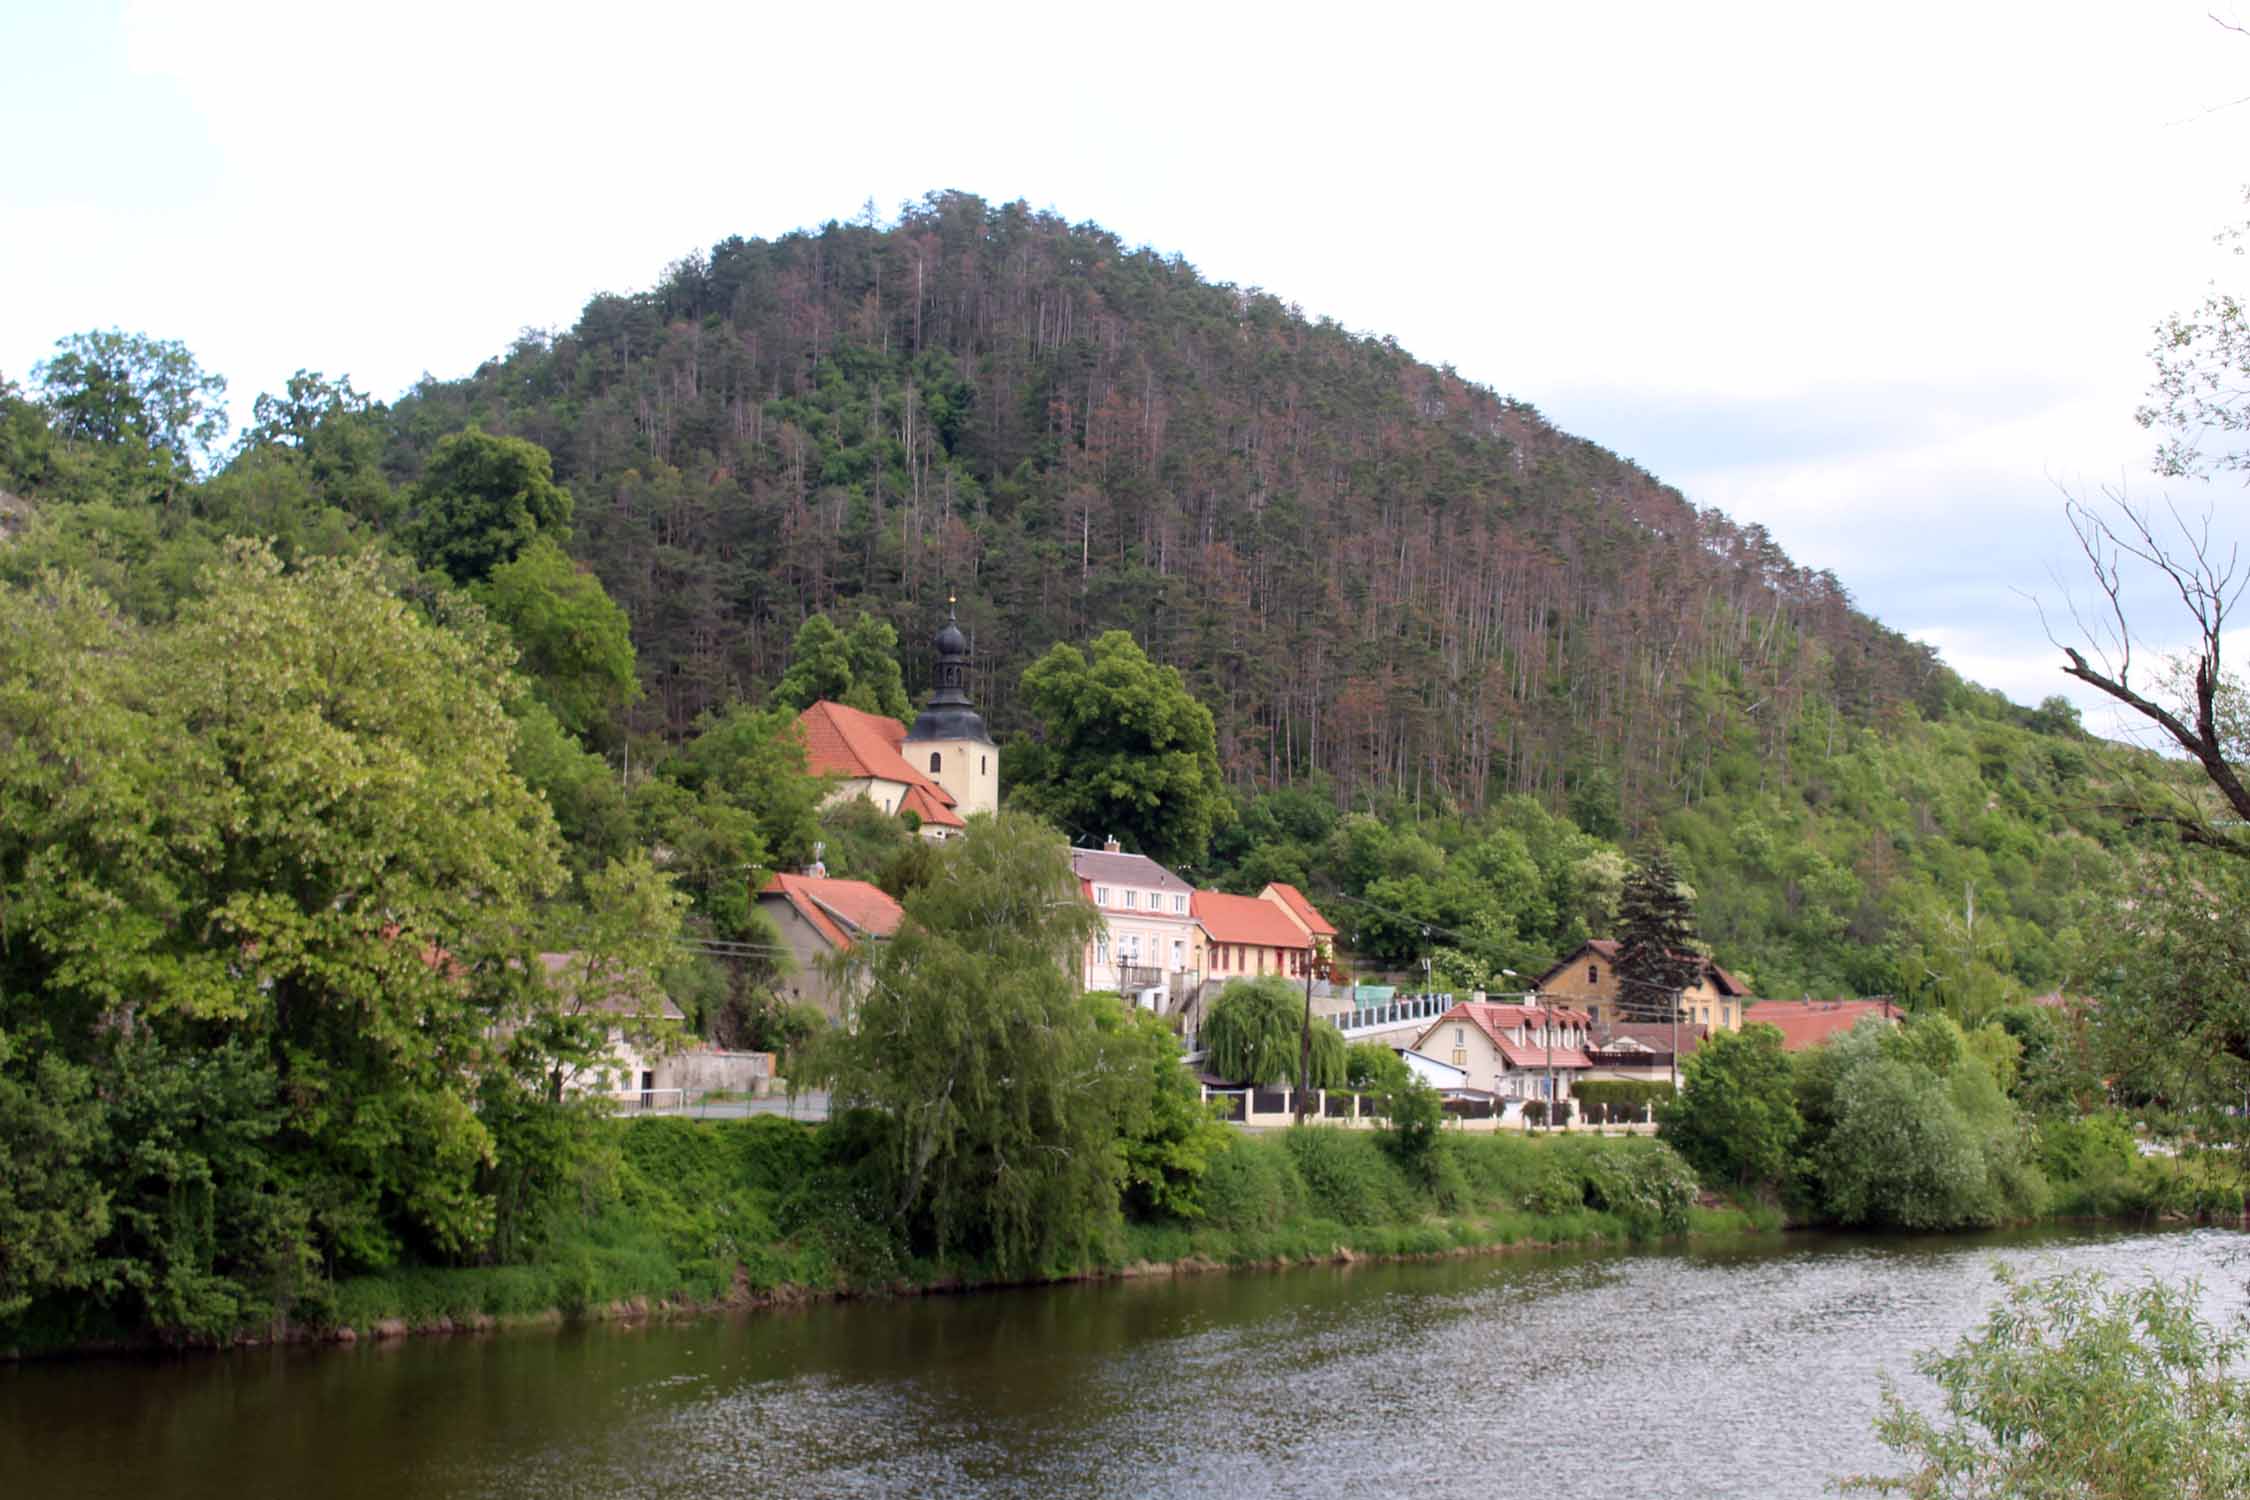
1881, 277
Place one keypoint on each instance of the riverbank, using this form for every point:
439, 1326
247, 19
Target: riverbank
698, 1217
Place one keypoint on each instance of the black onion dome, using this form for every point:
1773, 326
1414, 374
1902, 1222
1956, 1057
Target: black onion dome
949, 716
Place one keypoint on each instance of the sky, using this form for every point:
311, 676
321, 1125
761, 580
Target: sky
1880, 278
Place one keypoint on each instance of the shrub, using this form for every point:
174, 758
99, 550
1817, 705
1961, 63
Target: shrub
1252, 1187
2070, 1388
1347, 1175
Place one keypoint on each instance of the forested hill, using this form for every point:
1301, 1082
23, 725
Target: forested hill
1369, 568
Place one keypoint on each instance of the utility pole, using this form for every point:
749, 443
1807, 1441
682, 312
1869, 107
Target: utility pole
1675, 1044
1304, 1046
1547, 1024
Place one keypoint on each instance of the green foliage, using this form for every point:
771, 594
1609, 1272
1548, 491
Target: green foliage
1736, 1119
1656, 941
735, 800
2074, 1388
972, 1037
857, 668
571, 639
281, 836
145, 397
1620, 1102
482, 501
1347, 1175
1895, 1142
1254, 1034
1125, 750
1171, 1137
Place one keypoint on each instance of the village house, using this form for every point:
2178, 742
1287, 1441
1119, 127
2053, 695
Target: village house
1319, 932
1249, 937
1149, 946
818, 918
1805, 1024
944, 770
642, 1034
1589, 978
1512, 1049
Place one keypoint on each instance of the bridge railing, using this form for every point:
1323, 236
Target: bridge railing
1407, 1010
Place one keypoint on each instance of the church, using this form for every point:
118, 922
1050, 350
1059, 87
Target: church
942, 771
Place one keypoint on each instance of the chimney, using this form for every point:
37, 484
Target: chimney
1112, 846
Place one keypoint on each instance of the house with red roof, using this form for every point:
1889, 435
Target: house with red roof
1149, 946
1513, 1050
943, 770
1805, 1024
1248, 937
1318, 930
1588, 979
818, 918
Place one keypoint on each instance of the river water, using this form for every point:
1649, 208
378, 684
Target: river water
1744, 1369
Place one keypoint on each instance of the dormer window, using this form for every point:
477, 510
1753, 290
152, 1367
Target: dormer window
1179, 902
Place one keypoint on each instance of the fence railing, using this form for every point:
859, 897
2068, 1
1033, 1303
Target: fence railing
1404, 1011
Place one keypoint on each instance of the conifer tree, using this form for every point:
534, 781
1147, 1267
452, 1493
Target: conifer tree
1656, 943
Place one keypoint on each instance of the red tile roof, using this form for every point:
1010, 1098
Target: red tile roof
1496, 1020
1246, 919
1305, 911
839, 910
1805, 1024
858, 745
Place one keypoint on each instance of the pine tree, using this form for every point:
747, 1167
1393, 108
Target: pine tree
1656, 942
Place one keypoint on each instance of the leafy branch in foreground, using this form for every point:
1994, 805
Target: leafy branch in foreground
2072, 1388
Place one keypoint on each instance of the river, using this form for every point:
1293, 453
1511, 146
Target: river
1743, 1369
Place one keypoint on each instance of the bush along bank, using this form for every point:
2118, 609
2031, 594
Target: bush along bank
697, 1215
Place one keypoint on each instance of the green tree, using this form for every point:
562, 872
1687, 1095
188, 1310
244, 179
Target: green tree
284, 823
857, 668
129, 391
573, 641
1736, 1118
335, 433
1002, 1093
2072, 1388
1657, 953
1124, 750
482, 501
1254, 1032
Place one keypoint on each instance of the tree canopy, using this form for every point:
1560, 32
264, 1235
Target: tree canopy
1124, 750
483, 499
857, 668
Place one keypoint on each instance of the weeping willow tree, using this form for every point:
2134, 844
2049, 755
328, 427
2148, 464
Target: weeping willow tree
1254, 1030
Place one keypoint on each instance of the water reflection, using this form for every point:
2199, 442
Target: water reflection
1743, 1370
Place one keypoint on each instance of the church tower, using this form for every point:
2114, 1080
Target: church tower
949, 743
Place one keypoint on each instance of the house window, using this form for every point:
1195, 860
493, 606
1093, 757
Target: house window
1593, 973
980, 765
1726, 1015
936, 756
1101, 895
1132, 899
1179, 902
1179, 954
1101, 948
1460, 1037
1593, 1013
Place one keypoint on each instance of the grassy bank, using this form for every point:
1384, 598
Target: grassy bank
701, 1214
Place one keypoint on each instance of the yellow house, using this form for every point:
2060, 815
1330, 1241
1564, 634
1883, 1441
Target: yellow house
1588, 978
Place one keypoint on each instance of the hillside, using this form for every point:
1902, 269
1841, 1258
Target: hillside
1459, 662
1370, 569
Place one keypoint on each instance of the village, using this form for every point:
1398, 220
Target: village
1498, 1059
